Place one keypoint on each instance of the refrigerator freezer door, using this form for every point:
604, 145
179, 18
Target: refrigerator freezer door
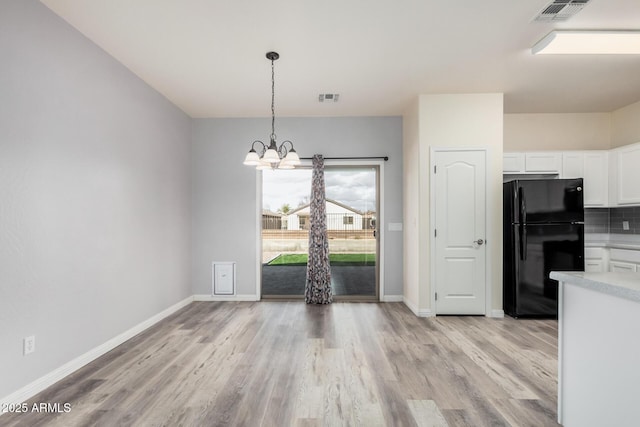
548, 247
509, 202
550, 201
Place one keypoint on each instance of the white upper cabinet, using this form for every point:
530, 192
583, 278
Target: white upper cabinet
627, 174
592, 166
543, 162
538, 162
596, 178
513, 163
573, 164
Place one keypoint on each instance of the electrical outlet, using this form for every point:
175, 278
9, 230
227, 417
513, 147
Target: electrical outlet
29, 345
625, 225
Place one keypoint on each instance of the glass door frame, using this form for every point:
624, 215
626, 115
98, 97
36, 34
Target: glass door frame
378, 165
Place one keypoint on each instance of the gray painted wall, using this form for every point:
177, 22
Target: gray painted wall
94, 195
224, 203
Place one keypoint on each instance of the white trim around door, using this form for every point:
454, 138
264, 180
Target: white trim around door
380, 226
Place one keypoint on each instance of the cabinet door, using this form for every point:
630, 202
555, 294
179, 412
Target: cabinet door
543, 162
593, 167
513, 163
593, 266
625, 255
613, 179
596, 183
622, 267
628, 176
572, 165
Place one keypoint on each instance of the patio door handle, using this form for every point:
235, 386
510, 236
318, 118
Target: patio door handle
374, 233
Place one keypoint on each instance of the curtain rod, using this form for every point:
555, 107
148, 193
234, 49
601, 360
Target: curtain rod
385, 158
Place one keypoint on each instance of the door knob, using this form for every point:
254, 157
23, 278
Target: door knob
480, 242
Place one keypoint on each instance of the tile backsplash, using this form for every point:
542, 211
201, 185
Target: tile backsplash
618, 215
596, 220
610, 220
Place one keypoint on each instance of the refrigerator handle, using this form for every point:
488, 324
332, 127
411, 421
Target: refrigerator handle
523, 206
522, 231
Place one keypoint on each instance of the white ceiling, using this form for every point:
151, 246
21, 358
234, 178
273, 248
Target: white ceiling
207, 56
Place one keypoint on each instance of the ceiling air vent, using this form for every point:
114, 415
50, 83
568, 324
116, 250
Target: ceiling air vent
328, 97
560, 10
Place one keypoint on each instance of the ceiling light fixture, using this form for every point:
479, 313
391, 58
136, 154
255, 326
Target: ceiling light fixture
589, 43
274, 156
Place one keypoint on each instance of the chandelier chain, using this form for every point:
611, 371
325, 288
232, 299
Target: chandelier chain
273, 108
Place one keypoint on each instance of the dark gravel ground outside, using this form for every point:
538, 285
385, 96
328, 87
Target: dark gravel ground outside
346, 280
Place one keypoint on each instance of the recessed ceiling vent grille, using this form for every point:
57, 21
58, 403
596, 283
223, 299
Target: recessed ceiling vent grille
332, 97
560, 10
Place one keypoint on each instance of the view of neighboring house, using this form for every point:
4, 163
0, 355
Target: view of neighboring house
339, 217
272, 220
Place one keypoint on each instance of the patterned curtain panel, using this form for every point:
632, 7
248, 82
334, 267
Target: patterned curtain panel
318, 287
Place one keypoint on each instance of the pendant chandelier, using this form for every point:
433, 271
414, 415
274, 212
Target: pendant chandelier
274, 156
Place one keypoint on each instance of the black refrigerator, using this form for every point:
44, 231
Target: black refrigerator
543, 232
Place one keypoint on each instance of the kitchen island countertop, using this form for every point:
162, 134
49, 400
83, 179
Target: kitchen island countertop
622, 285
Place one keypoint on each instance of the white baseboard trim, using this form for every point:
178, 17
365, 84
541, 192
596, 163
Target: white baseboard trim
205, 297
391, 298
497, 313
68, 368
424, 312
410, 305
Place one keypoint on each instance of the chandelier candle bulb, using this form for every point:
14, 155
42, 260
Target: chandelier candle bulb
274, 156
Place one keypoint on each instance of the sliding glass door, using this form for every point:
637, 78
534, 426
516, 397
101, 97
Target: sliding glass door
352, 220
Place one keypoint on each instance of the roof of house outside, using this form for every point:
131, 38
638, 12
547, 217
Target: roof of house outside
342, 205
270, 213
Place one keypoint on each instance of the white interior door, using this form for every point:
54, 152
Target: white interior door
460, 231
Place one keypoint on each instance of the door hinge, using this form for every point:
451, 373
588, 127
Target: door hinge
436, 296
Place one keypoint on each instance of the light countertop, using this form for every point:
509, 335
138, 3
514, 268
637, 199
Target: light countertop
622, 285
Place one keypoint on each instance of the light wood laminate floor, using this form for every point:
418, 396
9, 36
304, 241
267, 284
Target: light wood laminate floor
292, 364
